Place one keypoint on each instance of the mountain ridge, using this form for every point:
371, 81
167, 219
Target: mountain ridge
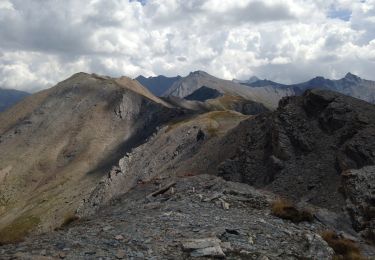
158, 84
266, 91
9, 97
68, 136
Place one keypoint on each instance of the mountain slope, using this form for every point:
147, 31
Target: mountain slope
203, 93
248, 81
350, 85
67, 137
187, 147
9, 97
157, 85
269, 95
305, 148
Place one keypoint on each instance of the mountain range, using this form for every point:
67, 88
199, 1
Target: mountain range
157, 85
101, 167
9, 97
265, 91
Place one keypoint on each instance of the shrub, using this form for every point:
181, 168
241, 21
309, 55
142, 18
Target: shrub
69, 218
287, 210
18, 229
345, 249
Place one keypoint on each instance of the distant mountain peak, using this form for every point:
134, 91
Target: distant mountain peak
351, 76
199, 72
253, 79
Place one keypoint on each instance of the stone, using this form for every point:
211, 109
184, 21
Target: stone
204, 247
106, 228
119, 237
120, 254
200, 243
359, 188
214, 251
226, 246
225, 204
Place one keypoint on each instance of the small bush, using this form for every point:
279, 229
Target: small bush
344, 248
287, 210
70, 218
18, 229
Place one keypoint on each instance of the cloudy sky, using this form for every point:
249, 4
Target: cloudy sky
44, 41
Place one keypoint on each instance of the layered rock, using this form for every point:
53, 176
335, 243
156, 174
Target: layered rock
359, 189
188, 147
300, 150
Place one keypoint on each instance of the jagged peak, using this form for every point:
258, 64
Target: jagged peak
85, 75
253, 79
199, 72
351, 76
81, 74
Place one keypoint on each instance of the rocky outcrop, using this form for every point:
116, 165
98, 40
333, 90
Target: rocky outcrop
300, 150
183, 148
359, 189
160, 153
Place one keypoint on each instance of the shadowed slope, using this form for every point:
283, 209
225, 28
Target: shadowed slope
53, 139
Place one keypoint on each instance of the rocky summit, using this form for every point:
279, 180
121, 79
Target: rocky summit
101, 168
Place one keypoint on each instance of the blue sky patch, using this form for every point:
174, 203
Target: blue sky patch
143, 2
342, 14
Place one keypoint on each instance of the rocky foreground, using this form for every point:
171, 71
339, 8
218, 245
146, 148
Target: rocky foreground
188, 217
195, 216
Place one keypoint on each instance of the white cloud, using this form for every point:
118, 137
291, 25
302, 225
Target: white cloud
43, 42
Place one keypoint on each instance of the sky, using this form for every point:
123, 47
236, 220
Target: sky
45, 41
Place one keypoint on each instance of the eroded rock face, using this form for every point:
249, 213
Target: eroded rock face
359, 188
185, 148
160, 153
300, 150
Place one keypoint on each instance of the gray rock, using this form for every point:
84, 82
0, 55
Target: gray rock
193, 244
214, 251
359, 188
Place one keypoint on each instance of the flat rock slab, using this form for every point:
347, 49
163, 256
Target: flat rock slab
204, 247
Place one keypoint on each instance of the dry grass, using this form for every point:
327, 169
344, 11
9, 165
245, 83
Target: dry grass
344, 248
69, 218
285, 209
19, 228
